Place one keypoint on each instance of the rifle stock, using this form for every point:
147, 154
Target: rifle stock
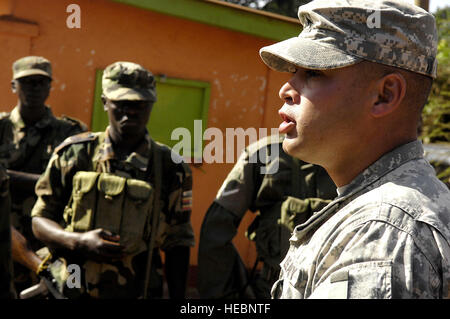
38, 289
45, 286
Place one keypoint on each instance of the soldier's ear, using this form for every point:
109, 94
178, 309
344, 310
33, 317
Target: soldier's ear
104, 101
391, 92
14, 86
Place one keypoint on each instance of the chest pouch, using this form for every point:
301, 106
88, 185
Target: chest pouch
114, 203
137, 208
79, 213
108, 213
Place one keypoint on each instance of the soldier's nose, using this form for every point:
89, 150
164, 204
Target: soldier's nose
289, 94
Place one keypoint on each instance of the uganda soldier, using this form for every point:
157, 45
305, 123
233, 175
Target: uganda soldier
6, 267
284, 192
110, 201
361, 74
28, 136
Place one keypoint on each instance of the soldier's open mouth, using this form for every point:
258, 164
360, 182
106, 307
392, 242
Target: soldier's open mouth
287, 124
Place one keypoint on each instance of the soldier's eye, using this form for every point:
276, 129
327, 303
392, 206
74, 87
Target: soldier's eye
118, 105
313, 73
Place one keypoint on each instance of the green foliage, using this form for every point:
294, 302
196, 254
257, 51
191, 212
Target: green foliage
436, 114
442, 172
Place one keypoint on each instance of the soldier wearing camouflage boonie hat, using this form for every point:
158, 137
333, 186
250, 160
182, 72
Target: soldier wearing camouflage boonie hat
341, 33
31, 65
128, 81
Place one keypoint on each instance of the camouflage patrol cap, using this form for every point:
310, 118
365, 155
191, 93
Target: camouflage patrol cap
339, 33
31, 65
128, 81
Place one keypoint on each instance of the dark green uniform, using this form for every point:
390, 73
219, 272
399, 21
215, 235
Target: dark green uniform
93, 152
28, 149
275, 198
6, 271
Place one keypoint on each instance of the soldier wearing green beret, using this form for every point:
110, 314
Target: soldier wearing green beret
110, 201
283, 191
28, 136
361, 74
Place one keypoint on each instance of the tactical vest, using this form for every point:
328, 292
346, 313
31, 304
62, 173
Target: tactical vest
273, 226
120, 205
124, 206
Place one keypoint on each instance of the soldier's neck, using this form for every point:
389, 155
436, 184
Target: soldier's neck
31, 113
124, 145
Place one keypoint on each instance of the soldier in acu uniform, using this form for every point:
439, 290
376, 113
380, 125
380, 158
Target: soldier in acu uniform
110, 201
361, 74
28, 136
284, 192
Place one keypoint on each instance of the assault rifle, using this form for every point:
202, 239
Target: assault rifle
45, 286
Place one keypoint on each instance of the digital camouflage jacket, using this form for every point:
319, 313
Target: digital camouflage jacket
387, 235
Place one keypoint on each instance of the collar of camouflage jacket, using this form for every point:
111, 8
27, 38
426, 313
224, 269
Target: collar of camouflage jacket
138, 159
385, 164
19, 124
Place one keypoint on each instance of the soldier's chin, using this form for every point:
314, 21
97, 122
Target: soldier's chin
292, 147
131, 130
287, 146
33, 101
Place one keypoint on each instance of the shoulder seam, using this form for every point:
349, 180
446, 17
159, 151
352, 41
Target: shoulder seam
75, 139
72, 122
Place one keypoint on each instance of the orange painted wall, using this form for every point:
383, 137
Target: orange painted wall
244, 93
